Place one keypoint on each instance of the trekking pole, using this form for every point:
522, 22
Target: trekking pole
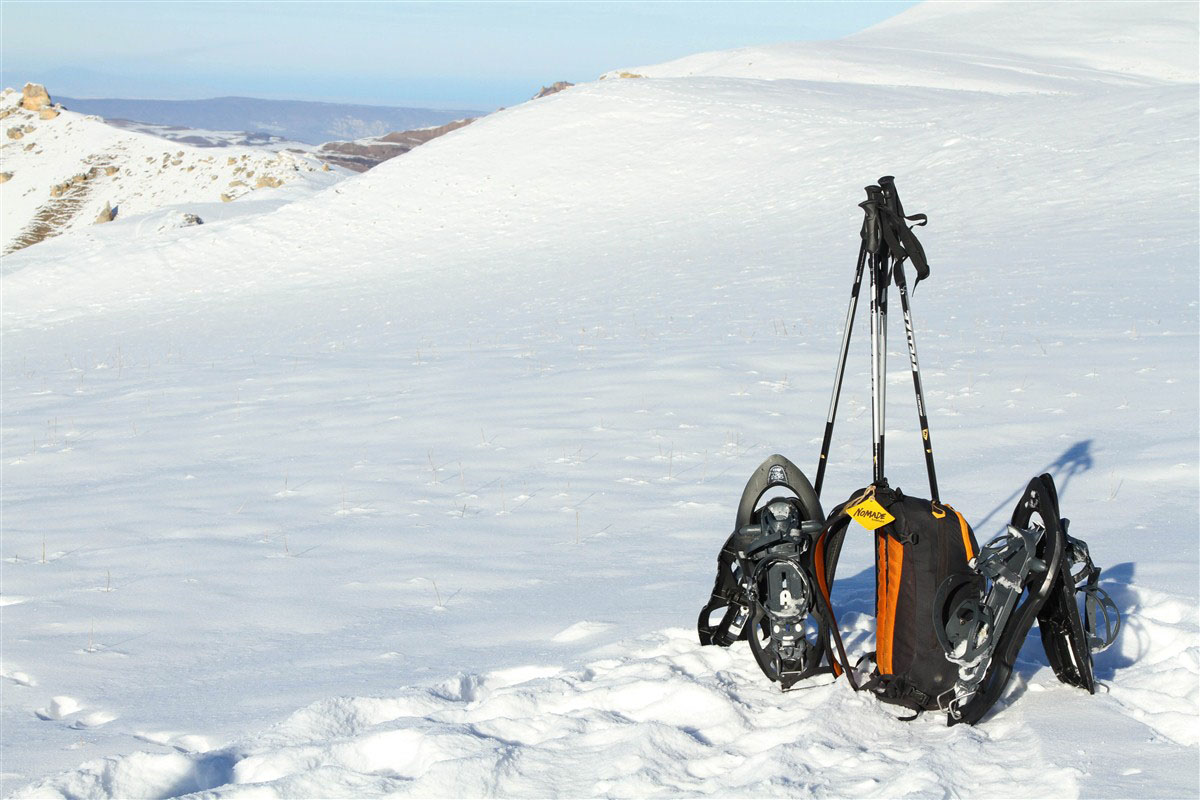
840, 373
877, 391
879, 289
884, 286
916, 373
892, 198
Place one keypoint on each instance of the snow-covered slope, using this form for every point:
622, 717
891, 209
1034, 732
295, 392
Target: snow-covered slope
65, 170
985, 45
415, 486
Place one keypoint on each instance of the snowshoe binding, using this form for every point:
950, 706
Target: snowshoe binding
1024, 574
765, 590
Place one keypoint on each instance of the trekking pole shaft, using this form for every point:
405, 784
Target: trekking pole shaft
920, 391
878, 367
884, 287
841, 370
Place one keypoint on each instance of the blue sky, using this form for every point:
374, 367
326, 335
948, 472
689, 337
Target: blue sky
475, 55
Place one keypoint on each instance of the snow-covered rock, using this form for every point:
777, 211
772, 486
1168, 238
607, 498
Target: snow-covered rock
34, 97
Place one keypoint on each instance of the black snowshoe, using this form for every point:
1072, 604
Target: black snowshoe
1069, 638
766, 590
1024, 574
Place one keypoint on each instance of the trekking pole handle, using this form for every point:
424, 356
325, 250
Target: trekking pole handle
872, 234
887, 184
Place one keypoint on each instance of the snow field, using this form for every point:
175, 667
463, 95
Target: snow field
666, 717
484, 412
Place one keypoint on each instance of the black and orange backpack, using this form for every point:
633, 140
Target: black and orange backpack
919, 546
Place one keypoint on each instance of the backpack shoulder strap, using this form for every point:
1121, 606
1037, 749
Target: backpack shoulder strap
827, 550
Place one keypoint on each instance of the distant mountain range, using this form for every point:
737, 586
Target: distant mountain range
296, 120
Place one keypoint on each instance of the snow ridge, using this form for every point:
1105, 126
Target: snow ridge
992, 46
64, 170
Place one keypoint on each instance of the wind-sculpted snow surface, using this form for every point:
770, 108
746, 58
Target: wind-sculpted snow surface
457, 441
661, 717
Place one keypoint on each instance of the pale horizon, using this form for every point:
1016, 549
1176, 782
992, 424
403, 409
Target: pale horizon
450, 55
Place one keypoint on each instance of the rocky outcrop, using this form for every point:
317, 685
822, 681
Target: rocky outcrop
362, 154
61, 189
553, 88
5, 177
34, 97
108, 214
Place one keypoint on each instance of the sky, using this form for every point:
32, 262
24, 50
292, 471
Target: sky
474, 55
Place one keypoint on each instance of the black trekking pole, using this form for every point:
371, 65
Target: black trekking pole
916, 373
879, 289
892, 198
839, 374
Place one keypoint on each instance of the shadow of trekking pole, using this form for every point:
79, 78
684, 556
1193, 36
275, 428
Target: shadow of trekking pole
1075, 460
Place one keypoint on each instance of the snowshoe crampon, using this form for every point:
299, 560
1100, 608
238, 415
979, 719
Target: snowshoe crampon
765, 590
1025, 574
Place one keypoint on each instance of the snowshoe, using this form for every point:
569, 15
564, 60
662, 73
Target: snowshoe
982, 631
982, 628
1068, 637
765, 590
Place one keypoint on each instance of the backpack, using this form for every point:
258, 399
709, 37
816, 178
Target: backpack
920, 546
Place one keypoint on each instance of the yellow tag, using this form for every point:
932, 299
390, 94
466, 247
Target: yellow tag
870, 514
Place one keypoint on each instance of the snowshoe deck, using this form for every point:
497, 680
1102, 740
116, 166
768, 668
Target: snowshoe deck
765, 590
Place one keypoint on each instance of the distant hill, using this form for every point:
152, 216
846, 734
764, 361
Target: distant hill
64, 171
301, 121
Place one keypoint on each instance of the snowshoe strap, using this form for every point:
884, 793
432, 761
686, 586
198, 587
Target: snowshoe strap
729, 594
899, 692
1101, 613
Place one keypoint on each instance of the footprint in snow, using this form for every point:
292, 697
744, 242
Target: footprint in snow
17, 677
581, 630
93, 720
61, 706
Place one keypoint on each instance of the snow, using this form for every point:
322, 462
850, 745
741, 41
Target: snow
415, 486
993, 46
99, 164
